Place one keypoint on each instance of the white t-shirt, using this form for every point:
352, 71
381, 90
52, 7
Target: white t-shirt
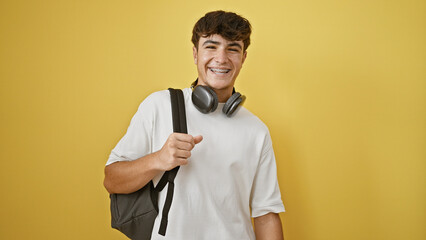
230, 172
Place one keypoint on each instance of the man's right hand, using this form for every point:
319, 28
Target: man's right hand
176, 151
129, 176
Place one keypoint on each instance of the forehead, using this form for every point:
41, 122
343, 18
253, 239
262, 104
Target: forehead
219, 39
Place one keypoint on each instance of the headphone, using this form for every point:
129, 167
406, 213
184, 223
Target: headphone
205, 100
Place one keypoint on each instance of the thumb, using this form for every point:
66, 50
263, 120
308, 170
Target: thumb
198, 139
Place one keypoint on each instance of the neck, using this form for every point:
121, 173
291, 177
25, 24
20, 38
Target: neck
223, 94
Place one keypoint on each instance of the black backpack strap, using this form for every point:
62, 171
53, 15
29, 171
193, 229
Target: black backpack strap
179, 125
162, 183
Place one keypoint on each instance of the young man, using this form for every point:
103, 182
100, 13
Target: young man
228, 168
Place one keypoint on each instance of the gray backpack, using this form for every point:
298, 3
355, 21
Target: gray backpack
134, 214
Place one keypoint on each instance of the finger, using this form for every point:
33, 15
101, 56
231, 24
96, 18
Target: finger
184, 145
198, 139
182, 154
182, 137
178, 162
183, 161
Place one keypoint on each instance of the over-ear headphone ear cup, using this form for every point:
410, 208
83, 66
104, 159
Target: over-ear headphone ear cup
215, 101
232, 104
234, 107
204, 99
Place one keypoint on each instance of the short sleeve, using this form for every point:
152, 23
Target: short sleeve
137, 142
265, 193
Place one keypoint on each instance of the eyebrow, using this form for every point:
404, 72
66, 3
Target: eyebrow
211, 41
233, 44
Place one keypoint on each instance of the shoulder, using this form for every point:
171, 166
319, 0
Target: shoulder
155, 99
247, 117
255, 127
163, 96
158, 96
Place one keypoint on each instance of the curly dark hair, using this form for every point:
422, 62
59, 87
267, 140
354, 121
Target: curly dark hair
229, 25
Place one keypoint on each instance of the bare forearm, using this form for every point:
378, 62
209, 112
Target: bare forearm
268, 227
130, 176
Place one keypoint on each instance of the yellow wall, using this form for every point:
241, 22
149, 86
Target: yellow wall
341, 85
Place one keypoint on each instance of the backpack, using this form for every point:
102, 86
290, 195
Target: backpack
134, 214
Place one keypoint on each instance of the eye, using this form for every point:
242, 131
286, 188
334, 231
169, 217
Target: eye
210, 47
234, 50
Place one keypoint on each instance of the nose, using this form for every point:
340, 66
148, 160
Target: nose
221, 56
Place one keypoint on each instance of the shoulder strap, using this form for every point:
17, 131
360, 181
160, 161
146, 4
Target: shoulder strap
179, 125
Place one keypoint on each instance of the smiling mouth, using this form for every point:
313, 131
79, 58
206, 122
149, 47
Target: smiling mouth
219, 70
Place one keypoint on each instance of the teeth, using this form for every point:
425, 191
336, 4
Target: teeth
217, 70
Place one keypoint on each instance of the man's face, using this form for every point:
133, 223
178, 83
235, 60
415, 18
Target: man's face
218, 62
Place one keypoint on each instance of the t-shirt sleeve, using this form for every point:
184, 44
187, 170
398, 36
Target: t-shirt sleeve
266, 195
137, 142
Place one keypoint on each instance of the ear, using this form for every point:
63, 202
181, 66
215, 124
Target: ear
194, 53
244, 56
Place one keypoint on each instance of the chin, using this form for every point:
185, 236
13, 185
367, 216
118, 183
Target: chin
219, 84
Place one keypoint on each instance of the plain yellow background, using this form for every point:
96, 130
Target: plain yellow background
341, 85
